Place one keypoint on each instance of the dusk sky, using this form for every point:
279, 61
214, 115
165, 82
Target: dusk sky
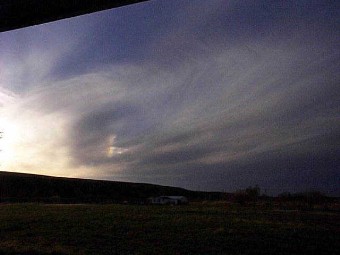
211, 95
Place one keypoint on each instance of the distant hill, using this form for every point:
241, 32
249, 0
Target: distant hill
18, 187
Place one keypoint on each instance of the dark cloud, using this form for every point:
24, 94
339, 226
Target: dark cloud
103, 119
290, 168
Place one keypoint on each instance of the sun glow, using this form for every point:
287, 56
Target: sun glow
33, 143
8, 142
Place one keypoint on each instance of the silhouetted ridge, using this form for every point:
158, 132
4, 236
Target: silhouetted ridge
18, 187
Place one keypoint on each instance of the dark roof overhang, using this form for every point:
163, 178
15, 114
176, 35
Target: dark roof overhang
16, 14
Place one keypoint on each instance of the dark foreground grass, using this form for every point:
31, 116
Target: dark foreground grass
193, 229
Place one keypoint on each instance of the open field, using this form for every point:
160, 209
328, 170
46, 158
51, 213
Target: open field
201, 228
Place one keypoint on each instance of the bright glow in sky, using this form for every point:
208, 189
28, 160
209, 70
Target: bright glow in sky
211, 95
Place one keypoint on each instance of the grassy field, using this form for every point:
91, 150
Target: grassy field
202, 228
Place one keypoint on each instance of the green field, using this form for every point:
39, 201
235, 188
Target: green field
202, 228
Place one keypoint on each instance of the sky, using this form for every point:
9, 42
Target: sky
211, 95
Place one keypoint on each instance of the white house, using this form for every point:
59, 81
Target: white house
169, 200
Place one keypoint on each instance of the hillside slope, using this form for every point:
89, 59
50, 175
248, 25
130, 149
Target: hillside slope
18, 187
